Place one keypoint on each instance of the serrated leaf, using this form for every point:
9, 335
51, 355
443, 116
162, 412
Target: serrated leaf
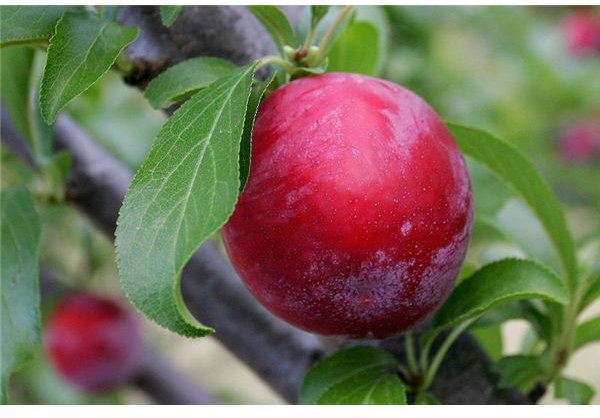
83, 48
508, 163
519, 370
168, 14
356, 50
587, 332
25, 24
183, 192
246, 143
575, 391
15, 79
518, 222
276, 23
355, 376
182, 80
498, 283
19, 279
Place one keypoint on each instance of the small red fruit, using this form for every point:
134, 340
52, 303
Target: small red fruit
582, 29
580, 141
357, 212
93, 342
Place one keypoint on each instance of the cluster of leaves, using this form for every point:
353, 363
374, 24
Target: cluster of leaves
189, 183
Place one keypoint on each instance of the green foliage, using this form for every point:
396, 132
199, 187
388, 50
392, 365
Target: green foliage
587, 332
246, 143
575, 391
519, 371
168, 14
276, 23
512, 166
490, 339
30, 24
83, 48
15, 77
517, 221
182, 193
356, 50
316, 14
498, 283
184, 79
119, 118
356, 376
592, 291
427, 399
19, 279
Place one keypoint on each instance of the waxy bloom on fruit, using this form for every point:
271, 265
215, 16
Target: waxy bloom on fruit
93, 342
357, 212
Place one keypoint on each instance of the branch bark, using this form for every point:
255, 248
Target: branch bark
278, 352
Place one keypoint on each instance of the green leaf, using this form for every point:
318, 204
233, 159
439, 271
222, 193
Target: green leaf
356, 50
593, 288
55, 171
356, 376
168, 14
490, 339
19, 279
519, 370
83, 48
30, 24
182, 80
508, 163
575, 391
183, 192
518, 222
587, 332
276, 23
246, 143
499, 283
317, 13
15, 78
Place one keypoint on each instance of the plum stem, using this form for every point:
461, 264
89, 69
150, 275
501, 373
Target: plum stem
441, 352
410, 353
330, 34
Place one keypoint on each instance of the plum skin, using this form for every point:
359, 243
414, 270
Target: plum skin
93, 343
357, 212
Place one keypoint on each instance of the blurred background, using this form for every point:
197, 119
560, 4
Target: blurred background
522, 73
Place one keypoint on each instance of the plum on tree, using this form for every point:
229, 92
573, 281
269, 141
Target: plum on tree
93, 342
582, 31
580, 141
358, 208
